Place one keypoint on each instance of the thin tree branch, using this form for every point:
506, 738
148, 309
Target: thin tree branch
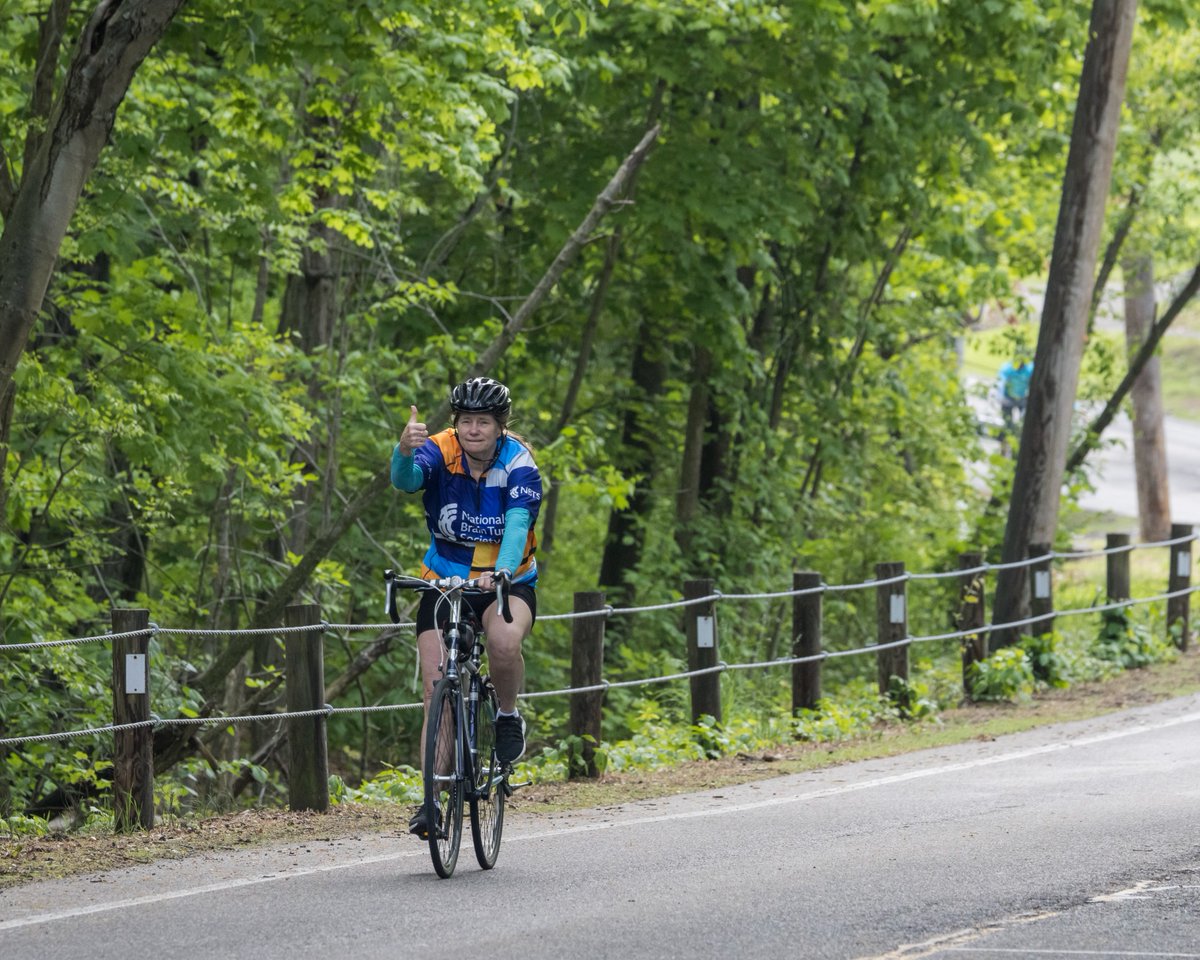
1113, 251
8, 187
1145, 352
607, 199
41, 101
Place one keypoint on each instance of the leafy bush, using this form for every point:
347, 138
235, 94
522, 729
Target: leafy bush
1050, 666
1130, 644
1007, 675
856, 710
400, 784
19, 825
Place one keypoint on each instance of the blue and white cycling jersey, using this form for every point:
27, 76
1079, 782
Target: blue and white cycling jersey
465, 516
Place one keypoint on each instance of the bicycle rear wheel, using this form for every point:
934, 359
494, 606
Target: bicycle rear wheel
487, 794
444, 781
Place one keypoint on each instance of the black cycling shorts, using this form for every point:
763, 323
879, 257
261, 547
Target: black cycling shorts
475, 602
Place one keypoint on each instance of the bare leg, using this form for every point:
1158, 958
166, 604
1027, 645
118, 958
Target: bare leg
505, 662
430, 651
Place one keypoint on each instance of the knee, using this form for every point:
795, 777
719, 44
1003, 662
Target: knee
504, 646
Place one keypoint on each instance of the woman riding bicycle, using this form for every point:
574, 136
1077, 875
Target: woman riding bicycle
482, 493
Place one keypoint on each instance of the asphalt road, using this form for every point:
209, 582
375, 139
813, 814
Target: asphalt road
1080, 840
1116, 482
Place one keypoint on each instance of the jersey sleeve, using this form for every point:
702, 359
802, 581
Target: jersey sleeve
524, 485
406, 475
517, 522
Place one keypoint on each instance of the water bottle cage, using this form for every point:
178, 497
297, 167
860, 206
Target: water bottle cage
466, 638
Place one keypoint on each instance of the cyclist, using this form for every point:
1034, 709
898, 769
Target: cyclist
1013, 389
482, 491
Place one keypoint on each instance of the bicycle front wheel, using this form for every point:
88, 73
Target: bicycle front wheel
487, 794
444, 778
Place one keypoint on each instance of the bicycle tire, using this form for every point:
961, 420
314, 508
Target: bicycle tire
444, 791
487, 789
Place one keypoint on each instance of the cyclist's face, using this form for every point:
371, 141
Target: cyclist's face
478, 433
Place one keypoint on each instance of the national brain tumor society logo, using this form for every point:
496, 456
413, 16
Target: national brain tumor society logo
446, 518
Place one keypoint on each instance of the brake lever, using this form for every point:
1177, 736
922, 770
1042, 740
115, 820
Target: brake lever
389, 603
502, 598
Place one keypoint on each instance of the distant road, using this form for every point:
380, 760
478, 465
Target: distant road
1076, 840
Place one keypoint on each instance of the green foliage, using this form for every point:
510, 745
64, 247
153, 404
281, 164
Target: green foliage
566, 759
19, 825
1049, 664
310, 217
910, 699
201, 786
1131, 644
855, 710
400, 784
1007, 675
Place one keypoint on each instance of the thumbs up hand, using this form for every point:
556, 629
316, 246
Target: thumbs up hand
414, 434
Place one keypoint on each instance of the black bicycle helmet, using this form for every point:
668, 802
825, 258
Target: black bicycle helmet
481, 395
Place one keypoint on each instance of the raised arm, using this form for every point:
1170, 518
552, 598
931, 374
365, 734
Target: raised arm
406, 475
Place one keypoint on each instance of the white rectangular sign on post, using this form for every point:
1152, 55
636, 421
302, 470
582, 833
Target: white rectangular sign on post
705, 632
1183, 564
135, 673
897, 607
1041, 584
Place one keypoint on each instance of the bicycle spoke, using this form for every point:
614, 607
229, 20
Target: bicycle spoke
488, 794
443, 779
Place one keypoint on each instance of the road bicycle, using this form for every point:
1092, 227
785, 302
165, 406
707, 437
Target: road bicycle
460, 739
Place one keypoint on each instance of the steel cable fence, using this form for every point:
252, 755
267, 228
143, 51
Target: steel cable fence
604, 685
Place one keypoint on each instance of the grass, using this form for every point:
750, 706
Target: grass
28, 859
1179, 364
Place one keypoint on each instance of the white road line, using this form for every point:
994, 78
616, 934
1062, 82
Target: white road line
82, 911
1032, 952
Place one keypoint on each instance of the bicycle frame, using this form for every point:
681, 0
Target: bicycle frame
468, 771
467, 702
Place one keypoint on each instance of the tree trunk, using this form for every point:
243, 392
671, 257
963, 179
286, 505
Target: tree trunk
549, 511
309, 312
1041, 461
687, 497
626, 528
1149, 438
116, 39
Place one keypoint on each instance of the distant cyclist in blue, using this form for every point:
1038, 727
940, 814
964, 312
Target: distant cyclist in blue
1014, 389
482, 491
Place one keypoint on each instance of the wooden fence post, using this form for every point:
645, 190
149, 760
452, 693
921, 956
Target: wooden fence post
1117, 567
308, 772
703, 650
1041, 591
133, 750
972, 615
891, 612
806, 641
1180, 578
587, 661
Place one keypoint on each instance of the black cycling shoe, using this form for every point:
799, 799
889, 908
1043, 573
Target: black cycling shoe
510, 738
419, 824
